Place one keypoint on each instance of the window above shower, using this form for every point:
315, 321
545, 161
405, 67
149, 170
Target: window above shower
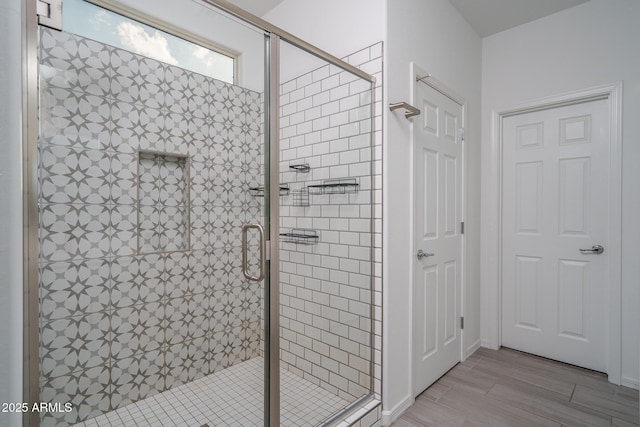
93, 22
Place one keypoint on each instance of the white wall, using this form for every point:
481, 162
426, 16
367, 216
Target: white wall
592, 44
335, 26
10, 208
433, 35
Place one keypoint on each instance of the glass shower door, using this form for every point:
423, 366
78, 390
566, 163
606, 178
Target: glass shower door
150, 162
326, 238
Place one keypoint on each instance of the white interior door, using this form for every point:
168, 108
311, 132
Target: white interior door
555, 203
437, 292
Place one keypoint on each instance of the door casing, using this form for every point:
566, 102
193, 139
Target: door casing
491, 240
416, 71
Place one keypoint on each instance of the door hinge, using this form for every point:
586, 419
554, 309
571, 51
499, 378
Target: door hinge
461, 133
462, 227
462, 323
50, 13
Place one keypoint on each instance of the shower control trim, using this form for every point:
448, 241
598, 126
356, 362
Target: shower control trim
245, 263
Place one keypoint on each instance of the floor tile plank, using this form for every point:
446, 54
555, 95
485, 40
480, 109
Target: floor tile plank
622, 423
472, 360
606, 403
628, 394
491, 412
461, 376
435, 391
565, 372
550, 407
526, 374
511, 388
427, 413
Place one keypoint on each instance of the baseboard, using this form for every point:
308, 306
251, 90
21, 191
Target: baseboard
388, 417
472, 349
630, 382
489, 344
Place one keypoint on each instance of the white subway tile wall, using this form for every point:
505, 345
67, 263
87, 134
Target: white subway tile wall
328, 305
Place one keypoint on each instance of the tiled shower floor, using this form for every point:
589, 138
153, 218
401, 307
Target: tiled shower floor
231, 397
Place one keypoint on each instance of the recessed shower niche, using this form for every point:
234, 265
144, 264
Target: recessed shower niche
163, 202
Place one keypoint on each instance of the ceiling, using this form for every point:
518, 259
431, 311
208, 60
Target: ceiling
485, 16
492, 16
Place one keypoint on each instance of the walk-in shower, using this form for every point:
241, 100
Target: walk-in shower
204, 197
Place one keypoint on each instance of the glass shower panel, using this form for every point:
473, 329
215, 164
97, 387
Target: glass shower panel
147, 154
326, 238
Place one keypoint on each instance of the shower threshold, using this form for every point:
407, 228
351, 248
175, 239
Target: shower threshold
230, 397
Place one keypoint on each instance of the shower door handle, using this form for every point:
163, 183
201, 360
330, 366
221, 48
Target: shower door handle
245, 264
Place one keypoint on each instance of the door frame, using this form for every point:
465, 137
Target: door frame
491, 220
415, 72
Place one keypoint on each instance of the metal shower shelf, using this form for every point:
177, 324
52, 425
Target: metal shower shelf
259, 191
301, 168
300, 236
335, 186
301, 197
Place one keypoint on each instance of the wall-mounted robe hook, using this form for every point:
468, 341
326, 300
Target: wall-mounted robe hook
410, 109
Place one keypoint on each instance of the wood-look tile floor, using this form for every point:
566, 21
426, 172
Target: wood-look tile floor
510, 388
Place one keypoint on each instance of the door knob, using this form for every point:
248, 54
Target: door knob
421, 254
595, 249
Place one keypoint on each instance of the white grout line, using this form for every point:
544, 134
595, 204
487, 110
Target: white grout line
232, 396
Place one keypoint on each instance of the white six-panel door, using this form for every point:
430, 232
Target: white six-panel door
437, 215
555, 203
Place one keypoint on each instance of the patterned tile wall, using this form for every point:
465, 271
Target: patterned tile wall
118, 324
327, 301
